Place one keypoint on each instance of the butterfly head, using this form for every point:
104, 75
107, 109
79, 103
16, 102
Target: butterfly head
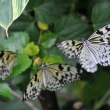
16, 53
44, 66
83, 40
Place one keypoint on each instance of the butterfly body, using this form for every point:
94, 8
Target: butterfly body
7, 59
95, 50
53, 77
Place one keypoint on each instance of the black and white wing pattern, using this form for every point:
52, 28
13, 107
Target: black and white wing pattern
53, 77
34, 87
70, 48
87, 61
99, 43
58, 75
7, 59
95, 50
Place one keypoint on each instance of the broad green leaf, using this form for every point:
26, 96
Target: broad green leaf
72, 27
100, 15
49, 11
53, 59
17, 41
98, 88
5, 90
10, 10
22, 63
48, 40
24, 24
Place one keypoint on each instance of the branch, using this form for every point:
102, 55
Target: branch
31, 105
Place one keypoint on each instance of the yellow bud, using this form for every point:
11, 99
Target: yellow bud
37, 61
42, 26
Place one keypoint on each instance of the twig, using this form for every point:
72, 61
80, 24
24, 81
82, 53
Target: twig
31, 105
63, 95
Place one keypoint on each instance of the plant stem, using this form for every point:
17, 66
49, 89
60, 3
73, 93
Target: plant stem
40, 36
80, 90
101, 102
31, 105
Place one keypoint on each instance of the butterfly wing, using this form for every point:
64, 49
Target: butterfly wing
87, 61
70, 48
7, 59
58, 75
34, 87
101, 36
99, 43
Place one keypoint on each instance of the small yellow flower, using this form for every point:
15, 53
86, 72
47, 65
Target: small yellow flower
42, 26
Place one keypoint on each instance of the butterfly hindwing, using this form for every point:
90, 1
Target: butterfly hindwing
87, 61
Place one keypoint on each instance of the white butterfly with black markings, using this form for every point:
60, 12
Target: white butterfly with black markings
7, 59
95, 50
53, 77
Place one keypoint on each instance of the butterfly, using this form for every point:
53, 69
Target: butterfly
7, 59
52, 77
95, 50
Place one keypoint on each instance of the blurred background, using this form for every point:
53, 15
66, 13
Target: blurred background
35, 33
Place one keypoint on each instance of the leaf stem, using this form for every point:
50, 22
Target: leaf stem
7, 33
40, 36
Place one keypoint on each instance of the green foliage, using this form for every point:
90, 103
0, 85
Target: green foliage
5, 90
53, 59
48, 40
11, 12
32, 49
35, 32
99, 17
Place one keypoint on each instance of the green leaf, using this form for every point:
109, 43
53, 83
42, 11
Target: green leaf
16, 41
100, 15
98, 88
5, 90
22, 63
24, 24
48, 40
49, 11
10, 10
72, 27
53, 59
32, 49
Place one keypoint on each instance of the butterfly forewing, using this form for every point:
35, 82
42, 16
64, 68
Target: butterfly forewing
101, 36
34, 87
70, 48
7, 59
